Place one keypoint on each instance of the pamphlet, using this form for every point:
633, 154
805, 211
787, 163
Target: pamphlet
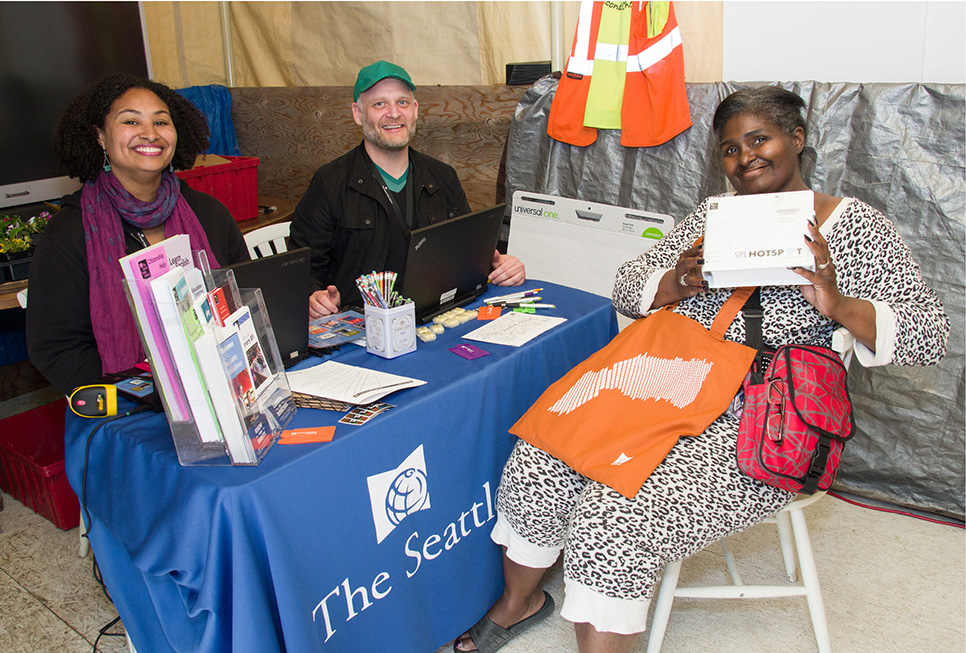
239, 375
348, 383
173, 300
223, 399
221, 304
514, 329
202, 309
153, 261
241, 321
138, 388
140, 268
338, 329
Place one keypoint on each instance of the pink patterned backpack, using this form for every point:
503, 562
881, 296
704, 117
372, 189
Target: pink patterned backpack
796, 420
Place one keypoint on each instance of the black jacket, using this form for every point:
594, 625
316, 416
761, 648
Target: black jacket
344, 216
60, 337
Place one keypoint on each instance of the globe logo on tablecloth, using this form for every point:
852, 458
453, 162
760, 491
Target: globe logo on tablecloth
407, 494
397, 493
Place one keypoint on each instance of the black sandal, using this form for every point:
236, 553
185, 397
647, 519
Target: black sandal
489, 637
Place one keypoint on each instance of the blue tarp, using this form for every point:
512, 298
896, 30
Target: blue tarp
214, 101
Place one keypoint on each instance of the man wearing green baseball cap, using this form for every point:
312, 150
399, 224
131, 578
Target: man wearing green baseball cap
375, 73
359, 209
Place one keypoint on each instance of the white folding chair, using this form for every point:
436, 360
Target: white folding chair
84, 546
793, 538
268, 240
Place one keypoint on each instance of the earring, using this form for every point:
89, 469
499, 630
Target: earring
107, 162
171, 168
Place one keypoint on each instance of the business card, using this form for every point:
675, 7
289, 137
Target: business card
469, 352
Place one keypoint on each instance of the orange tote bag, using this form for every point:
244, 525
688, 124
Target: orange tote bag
614, 417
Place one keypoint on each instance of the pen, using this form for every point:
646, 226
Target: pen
365, 391
516, 295
511, 296
524, 301
534, 306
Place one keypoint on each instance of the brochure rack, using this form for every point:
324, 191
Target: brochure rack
230, 423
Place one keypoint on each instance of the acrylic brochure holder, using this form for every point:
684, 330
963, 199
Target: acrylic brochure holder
212, 423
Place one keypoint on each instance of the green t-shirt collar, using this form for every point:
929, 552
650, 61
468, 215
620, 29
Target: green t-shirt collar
394, 184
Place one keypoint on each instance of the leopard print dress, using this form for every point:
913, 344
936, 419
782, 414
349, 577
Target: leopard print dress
617, 547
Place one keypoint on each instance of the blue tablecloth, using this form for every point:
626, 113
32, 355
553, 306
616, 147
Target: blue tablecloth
325, 547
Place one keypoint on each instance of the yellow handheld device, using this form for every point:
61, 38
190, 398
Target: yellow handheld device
94, 401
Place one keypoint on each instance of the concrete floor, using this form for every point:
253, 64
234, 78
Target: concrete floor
890, 583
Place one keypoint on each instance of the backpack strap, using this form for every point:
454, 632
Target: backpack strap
753, 338
730, 310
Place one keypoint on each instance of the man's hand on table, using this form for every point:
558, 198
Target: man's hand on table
324, 302
507, 270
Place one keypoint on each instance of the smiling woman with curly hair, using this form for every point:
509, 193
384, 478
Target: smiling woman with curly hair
123, 137
75, 138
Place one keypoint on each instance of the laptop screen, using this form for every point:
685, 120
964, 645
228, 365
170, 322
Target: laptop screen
447, 263
284, 280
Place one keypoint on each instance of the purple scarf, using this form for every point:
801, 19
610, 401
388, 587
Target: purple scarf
104, 203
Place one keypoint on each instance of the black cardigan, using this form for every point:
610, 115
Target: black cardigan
60, 337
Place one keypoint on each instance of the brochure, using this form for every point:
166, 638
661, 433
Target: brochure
172, 297
338, 329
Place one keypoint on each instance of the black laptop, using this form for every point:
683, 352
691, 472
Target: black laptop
284, 280
447, 263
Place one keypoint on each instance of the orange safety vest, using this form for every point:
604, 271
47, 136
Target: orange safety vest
654, 108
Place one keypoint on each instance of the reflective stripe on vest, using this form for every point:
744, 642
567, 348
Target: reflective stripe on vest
654, 106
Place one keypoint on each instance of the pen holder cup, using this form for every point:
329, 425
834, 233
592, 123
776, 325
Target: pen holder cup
391, 332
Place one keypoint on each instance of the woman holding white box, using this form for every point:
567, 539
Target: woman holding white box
615, 548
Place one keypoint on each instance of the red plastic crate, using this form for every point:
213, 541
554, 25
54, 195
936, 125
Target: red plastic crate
234, 183
32, 464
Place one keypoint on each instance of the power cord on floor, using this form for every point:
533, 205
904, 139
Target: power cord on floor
103, 633
894, 511
96, 573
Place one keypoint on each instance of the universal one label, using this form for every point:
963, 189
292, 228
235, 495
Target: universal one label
535, 212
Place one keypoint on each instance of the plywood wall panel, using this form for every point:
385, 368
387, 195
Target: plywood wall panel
294, 130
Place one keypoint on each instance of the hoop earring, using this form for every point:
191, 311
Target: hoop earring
107, 162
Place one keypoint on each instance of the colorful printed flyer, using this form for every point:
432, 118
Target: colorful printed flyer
338, 329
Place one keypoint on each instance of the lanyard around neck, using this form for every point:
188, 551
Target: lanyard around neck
406, 218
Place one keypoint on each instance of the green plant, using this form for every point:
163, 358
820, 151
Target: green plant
16, 233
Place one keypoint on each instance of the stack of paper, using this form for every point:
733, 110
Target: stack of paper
348, 383
514, 329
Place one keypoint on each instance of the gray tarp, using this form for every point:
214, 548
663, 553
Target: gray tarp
899, 147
